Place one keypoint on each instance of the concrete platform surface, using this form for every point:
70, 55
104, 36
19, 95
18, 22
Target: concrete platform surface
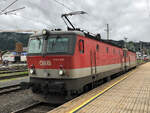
132, 95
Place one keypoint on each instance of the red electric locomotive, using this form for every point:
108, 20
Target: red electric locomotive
63, 64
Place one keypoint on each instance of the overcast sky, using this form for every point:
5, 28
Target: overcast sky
126, 18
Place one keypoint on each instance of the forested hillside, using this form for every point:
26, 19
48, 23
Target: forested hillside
9, 39
134, 46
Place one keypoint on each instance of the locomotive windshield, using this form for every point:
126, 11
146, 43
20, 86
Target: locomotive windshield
60, 44
35, 45
53, 44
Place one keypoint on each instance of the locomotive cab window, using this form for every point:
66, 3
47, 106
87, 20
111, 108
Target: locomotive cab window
63, 44
35, 45
97, 47
81, 46
57, 45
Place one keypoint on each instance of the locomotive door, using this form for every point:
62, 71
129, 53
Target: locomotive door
125, 59
129, 61
93, 61
122, 61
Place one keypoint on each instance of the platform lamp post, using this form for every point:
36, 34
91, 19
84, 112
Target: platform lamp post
141, 49
125, 42
108, 30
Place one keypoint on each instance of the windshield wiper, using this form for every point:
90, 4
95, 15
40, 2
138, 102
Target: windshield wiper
54, 41
39, 42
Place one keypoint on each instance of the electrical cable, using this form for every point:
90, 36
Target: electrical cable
62, 4
10, 11
29, 19
8, 6
65, 6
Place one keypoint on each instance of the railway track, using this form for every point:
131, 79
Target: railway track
13, 75
12, 71
13, 68
37, 107
9, 89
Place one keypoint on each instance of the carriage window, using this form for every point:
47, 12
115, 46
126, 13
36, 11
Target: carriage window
97, 47
81, 46
107, 49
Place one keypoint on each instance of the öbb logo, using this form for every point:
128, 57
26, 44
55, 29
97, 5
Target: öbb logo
45, 63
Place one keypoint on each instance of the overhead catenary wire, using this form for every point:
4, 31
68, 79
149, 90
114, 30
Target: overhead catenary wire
65, 6
3, 11
15, 14
10, 11
62, 4
29, 19
38, 21
8, 6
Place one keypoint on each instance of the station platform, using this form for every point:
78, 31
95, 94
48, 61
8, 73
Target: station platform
125, 94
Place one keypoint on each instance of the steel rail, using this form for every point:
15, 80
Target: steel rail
27, 108
9, 89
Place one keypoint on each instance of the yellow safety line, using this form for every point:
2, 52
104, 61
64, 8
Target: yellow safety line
87, 101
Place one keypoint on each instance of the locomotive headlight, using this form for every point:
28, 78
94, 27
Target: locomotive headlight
61, 72
32, 71
44, 32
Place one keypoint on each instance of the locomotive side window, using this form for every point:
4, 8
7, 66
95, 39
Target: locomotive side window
97, 47
81, 46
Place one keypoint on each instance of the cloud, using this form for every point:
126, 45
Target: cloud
126, 18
